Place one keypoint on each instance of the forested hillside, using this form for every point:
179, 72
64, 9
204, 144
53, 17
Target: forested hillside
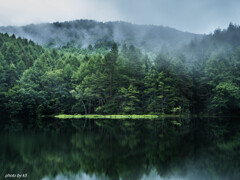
204, 77
81, 33
16, 56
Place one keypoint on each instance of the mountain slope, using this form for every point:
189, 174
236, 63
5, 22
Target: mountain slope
81, 33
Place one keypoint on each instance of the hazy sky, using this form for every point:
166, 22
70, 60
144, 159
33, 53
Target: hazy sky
198, 16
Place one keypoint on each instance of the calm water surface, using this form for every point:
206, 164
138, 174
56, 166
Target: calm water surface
171, 149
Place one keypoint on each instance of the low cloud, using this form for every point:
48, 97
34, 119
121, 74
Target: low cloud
187, 15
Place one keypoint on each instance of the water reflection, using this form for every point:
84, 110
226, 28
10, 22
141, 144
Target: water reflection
173, 149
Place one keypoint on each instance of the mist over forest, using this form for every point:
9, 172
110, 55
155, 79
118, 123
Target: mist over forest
82, 33
89, 67
120, 90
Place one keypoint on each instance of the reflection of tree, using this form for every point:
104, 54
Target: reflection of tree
125, 149
222, 156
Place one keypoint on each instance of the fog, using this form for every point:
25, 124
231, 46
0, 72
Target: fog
82, 33
186, 15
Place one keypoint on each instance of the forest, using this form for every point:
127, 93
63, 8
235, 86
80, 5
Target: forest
108, 77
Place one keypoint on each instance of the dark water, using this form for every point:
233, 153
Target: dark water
172, 149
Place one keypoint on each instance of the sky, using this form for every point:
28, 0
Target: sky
197, 16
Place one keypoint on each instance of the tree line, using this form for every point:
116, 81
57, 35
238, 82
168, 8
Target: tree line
112, 78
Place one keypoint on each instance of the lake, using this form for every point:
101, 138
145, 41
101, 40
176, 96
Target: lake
112, 149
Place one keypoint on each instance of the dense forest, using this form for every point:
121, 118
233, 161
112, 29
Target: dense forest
115, 78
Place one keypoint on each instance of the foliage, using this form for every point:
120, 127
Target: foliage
120, 79
65, 116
